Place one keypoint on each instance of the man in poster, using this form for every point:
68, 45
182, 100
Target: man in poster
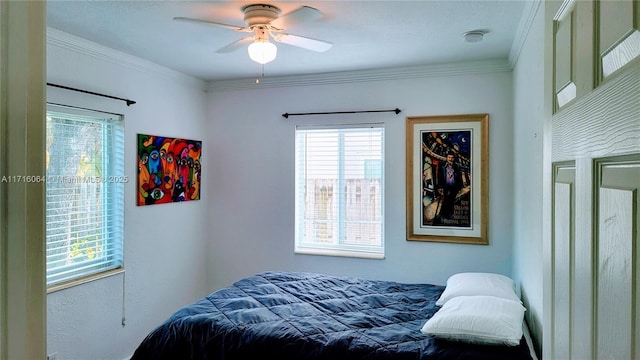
448, 184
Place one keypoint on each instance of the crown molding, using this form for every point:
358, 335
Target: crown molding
398, 73
524, 25
77, 44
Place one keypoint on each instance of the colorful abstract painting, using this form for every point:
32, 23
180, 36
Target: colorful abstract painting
168, 169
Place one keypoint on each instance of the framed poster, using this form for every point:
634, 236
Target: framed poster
168, 169
447, 178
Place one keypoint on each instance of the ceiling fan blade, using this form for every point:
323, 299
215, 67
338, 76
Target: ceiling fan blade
232, 27
235, 45
300, 15
303, 42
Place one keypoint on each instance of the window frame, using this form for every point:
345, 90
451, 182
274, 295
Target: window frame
339, 249
113, 156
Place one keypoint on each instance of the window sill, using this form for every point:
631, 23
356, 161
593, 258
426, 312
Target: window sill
84, 280
342, 253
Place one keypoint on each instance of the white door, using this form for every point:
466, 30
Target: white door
593, 250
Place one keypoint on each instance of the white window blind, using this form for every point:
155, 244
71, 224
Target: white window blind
84, 193
340, 190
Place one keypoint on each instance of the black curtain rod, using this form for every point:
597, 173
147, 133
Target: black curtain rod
286, 115
129, 102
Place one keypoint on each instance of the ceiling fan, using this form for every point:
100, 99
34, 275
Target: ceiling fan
264, 22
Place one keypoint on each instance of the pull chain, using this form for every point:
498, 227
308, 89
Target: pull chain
257, 71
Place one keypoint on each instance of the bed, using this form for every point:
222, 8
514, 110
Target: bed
295, 315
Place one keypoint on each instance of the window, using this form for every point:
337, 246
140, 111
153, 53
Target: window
84, 193
340, 191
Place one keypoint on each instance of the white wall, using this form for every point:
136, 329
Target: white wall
164, 244
251, 177
528, 181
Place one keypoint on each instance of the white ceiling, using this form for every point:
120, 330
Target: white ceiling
366, 34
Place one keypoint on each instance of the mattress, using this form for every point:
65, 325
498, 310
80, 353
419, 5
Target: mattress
294, 315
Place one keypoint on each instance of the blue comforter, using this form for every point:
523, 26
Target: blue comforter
278, 315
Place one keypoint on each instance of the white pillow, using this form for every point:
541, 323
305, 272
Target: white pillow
478, 320
477, 283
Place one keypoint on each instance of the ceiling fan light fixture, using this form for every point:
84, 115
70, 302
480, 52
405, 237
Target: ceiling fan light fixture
262, 51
